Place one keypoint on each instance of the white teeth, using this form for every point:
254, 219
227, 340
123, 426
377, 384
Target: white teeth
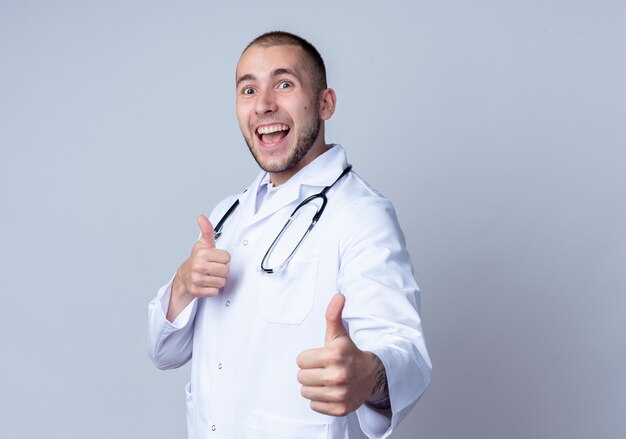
272, 128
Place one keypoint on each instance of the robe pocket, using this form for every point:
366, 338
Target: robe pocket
264, 426
191, 410
287, 296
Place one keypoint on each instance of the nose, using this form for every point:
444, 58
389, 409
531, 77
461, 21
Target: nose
265, 102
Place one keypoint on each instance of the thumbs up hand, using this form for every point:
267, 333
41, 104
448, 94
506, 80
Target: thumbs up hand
338, 377
202, 274
205, 271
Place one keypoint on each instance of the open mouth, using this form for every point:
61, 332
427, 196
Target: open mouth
272, 134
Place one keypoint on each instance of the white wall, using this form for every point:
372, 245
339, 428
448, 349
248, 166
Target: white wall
496, 128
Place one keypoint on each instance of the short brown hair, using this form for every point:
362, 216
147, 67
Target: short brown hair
316, 63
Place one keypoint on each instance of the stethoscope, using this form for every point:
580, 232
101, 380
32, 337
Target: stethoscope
320, 195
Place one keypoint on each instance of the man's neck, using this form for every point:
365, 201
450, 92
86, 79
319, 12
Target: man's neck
278, 178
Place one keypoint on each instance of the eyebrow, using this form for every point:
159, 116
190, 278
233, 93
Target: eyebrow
276, 72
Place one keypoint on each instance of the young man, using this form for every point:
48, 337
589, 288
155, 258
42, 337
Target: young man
298, 328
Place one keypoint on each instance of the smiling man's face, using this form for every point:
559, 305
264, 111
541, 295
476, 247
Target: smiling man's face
279, 113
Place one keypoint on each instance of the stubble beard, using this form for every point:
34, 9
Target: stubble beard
305, 141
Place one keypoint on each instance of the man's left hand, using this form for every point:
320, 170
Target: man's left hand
338, 377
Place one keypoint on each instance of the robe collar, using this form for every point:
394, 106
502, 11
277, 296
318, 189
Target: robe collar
321, 172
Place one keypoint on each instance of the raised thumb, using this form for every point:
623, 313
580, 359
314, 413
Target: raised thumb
334, 323
207, 230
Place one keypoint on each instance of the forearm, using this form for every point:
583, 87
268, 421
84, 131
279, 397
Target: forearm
180, 298
379, 399
169, 345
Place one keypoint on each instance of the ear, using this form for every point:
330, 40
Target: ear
328, 100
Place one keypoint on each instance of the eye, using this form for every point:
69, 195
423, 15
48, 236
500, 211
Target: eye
247, 90
284, 85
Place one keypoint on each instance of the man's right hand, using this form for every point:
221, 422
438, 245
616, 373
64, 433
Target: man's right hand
202, 274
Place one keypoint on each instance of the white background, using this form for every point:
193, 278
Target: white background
497, 128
